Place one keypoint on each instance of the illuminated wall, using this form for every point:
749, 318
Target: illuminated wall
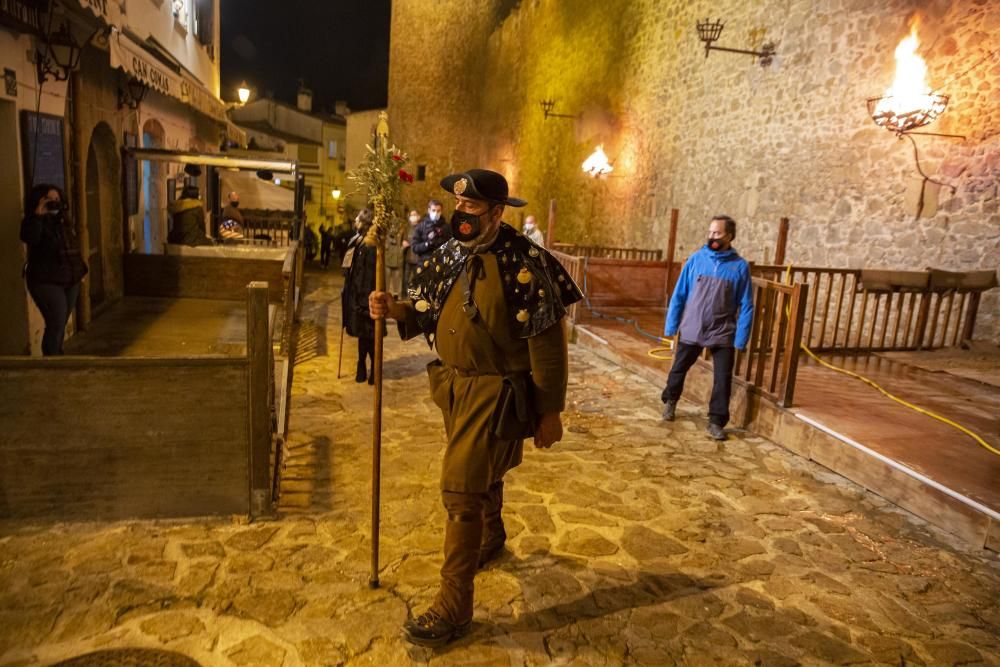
723, 134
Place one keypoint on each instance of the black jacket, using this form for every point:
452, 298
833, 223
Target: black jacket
53, 250
429, 236
188, 223
358, 284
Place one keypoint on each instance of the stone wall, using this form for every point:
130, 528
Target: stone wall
722, 133
437, 56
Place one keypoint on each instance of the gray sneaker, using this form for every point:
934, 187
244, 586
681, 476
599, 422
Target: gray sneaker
715, 431
669, 411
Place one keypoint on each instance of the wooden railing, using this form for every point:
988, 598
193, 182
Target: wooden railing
291, 283
907, 311
609, 252
770, 362
574, 267
268, 228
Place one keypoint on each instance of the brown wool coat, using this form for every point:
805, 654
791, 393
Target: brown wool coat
465, 383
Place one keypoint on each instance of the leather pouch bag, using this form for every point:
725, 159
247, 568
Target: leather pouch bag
514, 416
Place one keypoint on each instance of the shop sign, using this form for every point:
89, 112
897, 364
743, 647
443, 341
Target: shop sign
22, 14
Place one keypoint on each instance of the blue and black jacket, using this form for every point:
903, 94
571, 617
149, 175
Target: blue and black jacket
712, 304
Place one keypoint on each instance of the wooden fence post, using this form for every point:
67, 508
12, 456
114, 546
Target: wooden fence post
781, 243
968, 327
793, 345
259, 367
671, 245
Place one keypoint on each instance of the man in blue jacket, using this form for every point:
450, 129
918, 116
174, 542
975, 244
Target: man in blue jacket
712, 306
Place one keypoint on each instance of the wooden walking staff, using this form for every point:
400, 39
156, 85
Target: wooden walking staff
380, 174
340, 355
378, 227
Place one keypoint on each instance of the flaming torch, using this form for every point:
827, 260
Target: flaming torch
909, 102
597, 164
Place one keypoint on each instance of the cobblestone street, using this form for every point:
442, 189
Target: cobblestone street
633, 541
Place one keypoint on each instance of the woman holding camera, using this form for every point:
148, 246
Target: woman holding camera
55, 266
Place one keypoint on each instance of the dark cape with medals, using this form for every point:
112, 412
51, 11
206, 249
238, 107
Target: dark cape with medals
537, 289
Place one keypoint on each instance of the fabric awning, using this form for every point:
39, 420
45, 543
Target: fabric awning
137, 62
235, 133
255, 193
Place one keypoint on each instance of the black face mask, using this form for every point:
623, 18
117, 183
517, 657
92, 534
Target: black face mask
715, 244
234, 204
465, 226
54, 206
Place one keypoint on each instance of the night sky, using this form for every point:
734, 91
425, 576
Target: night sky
340, 48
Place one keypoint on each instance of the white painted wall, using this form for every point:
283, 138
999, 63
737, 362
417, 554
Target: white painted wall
14, 50
154, 18
281, 117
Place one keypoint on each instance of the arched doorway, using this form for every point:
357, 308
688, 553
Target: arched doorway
154, 228
101, 194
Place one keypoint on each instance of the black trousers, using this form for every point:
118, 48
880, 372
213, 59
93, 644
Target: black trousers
56, 303
366, 350
722, 365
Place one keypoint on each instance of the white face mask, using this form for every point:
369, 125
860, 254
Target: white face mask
414, 219
434, 215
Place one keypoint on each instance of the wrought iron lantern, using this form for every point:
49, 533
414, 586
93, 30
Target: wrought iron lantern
709, 32
548, 105
597, 164
132, 93
889, 115
59, 56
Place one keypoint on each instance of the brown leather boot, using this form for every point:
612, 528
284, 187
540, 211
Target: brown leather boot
451, 614
494, 535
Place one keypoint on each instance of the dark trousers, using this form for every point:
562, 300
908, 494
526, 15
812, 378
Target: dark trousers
409, 270
722, 387
56, 303
366, 350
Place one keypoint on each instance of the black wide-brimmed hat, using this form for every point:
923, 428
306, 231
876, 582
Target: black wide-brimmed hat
480, 184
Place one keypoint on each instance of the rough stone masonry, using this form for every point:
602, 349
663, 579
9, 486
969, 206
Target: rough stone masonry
715, 134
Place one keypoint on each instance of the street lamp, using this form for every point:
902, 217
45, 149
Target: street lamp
59, 56
336, 193
243, 92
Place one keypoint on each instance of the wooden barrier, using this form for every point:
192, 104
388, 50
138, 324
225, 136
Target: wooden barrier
269, 228
609, 252
574, 267
625, 283
770, 362
895, 311
133, 437
183, 277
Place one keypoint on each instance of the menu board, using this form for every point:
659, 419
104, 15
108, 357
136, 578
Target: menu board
42, 146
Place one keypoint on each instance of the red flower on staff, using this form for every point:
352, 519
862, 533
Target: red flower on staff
405, 177
397, 158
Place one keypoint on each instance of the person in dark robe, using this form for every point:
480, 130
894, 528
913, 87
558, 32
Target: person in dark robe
359, 282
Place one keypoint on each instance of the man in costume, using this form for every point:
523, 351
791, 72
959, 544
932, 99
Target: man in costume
712, 306
492, 304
